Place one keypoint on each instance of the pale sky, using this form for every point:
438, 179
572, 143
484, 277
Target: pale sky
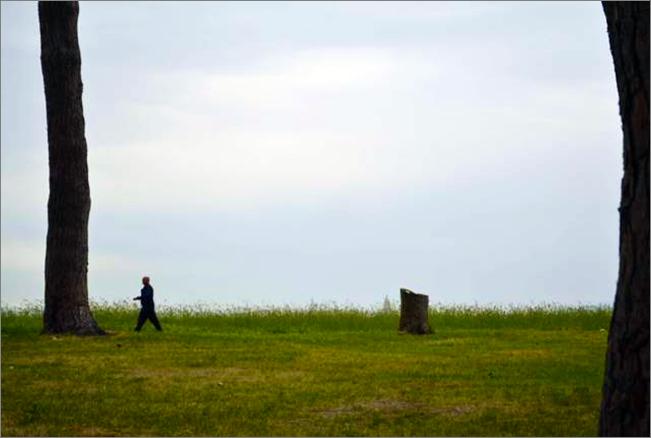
275, 153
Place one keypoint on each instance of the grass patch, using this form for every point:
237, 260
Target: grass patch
309, 372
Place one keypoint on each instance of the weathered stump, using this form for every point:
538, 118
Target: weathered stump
413, 313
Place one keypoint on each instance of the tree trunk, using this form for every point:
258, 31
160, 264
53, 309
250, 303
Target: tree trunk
66, 259
625, 403
414, 313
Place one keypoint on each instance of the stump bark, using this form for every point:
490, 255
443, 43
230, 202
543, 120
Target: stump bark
413, 313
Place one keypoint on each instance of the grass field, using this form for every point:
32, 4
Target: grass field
316, 371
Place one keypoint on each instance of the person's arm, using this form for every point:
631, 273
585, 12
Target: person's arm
137, 298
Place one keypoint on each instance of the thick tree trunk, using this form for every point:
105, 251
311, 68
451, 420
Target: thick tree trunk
413, 313
66, 259
625, 404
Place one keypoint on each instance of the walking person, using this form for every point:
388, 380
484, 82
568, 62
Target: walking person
147, 310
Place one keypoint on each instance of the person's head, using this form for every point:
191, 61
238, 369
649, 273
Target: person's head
145, 280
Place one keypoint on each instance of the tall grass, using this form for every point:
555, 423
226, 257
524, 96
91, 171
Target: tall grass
331, 317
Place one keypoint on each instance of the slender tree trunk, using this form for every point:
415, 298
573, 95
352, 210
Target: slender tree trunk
625, 404
66, 259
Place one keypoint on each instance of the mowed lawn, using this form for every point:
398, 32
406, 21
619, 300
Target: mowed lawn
485, 371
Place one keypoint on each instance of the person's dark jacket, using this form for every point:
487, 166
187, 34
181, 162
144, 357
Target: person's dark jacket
146, 297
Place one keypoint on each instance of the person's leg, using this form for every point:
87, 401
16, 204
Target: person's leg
154, 320
142, 317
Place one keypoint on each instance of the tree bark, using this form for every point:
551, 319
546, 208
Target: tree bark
414, 313
66, 259
625, 403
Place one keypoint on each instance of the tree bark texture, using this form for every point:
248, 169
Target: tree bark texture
414, 313
625, 403
66, 259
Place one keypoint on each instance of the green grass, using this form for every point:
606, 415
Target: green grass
337, 372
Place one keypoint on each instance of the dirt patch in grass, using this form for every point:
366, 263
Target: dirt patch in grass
334, 412
229, 374
529, 353
92, 431
239, 374
389, 406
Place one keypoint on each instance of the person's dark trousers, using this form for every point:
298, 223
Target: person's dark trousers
148, 314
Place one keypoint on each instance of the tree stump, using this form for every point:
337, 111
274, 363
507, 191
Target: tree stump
413, 313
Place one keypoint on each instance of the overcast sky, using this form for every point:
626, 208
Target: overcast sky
280, 153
